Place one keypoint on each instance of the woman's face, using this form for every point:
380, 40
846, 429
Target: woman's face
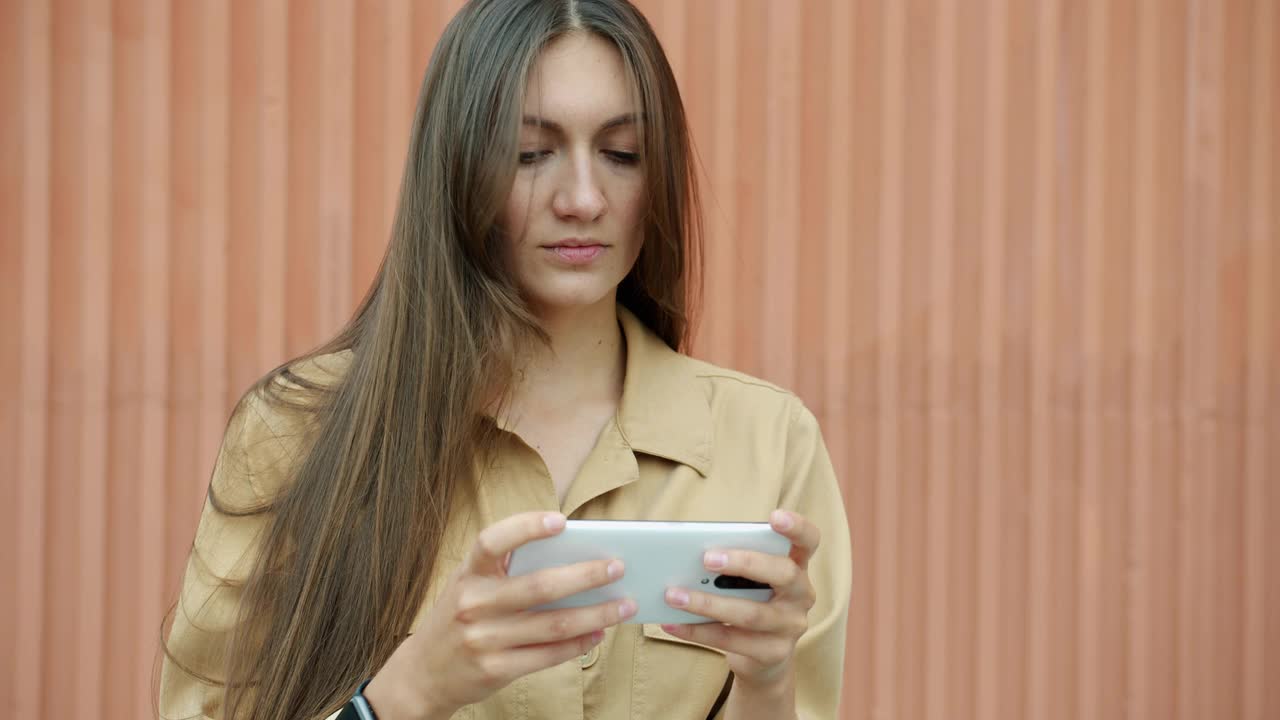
575, 209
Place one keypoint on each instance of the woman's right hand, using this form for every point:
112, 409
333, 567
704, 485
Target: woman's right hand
480, 634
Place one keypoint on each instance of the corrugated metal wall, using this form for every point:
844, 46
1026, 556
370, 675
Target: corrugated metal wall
1022, 258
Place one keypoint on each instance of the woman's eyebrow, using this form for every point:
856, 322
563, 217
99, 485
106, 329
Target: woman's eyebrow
613, 122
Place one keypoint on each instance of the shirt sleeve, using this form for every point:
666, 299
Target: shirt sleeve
249, 468
811, 489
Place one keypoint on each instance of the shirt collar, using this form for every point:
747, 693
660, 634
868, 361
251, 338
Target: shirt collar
664, 410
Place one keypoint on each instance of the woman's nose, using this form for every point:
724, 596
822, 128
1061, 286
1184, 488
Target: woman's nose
580, 196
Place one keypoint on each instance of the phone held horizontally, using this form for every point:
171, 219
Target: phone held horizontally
657, 555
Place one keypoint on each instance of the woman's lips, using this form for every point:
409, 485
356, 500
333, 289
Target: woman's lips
576, 254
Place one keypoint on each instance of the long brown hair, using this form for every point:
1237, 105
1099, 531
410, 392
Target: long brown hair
353, 536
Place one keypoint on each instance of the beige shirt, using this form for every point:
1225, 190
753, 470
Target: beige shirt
690, 441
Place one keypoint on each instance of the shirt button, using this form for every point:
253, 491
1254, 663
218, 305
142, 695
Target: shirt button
588, 659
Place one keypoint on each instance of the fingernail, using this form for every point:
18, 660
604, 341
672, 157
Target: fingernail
555, 521
596, 637
626, 609
782, 520
678, 598
715, 560
614, 570
671, 628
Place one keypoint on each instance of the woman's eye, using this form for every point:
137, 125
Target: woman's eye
622, 157
618, 157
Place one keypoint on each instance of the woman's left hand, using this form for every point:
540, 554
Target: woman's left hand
759, 638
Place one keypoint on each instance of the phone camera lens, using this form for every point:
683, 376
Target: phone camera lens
733, 582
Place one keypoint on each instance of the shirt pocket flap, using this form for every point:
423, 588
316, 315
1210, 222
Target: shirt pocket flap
655, 632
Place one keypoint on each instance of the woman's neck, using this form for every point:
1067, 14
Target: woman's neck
584, 364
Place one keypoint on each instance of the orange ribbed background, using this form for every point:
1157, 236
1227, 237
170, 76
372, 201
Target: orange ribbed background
1021, 258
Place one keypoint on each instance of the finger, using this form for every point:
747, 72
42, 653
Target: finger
780, 573
486, 596
547, 627
804, 535
518, 662
489, 552
525, 591
747, 614
764, 648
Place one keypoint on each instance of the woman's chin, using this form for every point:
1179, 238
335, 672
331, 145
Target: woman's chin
570, 297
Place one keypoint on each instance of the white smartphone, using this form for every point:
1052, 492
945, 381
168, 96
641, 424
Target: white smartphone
657, 555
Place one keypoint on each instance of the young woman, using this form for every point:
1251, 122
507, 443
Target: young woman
516, 362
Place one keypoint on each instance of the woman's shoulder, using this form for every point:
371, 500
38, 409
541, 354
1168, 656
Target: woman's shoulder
271, 427
735, 379
298, 388
672, 379
307, 379
741, 405
726, 386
